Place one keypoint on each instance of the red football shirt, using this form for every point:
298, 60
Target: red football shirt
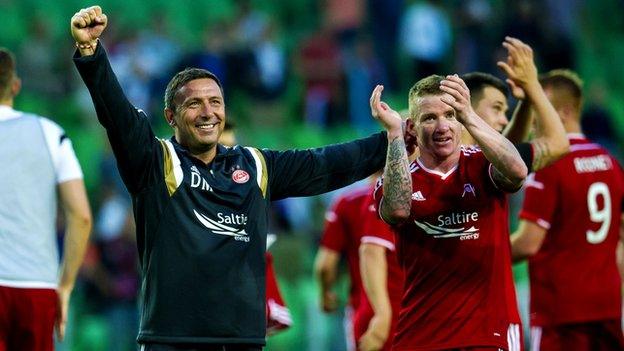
278, 314
578, 200
456, 256
343, 228
375, 231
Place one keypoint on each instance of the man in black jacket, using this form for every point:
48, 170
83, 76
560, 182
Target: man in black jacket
200, 207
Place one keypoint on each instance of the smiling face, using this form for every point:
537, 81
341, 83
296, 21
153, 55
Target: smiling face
437, 129
199, 115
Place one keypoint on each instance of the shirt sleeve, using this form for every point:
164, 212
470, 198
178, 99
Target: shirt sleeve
278, 314
526, 153
137, 151
540, 198
334, 232
378, 195
64, 158
319, 170
375, 231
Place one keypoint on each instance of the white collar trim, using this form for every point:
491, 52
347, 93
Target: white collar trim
433, 171
576, 136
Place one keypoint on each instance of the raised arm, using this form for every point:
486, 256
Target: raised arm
128, 128
319, 170
519, 127
75, 206
397, 186
550, 142
509, 169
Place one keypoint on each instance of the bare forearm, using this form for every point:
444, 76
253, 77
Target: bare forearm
397, 186
498, 150
374, 271
517, 254
550, 141
75, 244
326, 279
519, 127
326, 269
620, 259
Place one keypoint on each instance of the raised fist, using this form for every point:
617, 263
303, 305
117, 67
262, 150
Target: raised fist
88, 24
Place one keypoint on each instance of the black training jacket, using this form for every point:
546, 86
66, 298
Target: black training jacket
201, 229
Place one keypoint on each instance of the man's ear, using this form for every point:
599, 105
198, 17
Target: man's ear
169, 116
16, 86
410, 127
566, 113
409, 136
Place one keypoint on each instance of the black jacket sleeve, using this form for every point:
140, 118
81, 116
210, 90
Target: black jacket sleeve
132, 139
315, 171
526, 153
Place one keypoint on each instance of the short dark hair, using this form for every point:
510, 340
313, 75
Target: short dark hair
427, 86
567, 83
478, 81
183, 77
7, 72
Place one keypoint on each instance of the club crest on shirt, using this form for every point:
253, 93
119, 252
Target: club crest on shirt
469, 189
239, 176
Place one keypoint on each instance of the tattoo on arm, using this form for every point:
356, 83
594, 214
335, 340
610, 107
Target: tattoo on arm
397, 186
503, 159
541, 155
503, 182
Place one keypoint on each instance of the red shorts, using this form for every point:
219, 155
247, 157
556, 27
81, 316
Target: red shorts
27, 319
594, 336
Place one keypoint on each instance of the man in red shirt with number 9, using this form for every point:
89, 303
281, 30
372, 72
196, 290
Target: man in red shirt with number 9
569, 230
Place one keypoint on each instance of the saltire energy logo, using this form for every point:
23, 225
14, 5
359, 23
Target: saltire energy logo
219, 226
448, 226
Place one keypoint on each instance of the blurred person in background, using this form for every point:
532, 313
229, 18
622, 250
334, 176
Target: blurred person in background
111, 269
426, 36
570, 228
341, 237
346, 222
448, 210
382, 277
201, 208
382, 281
278, 314
320, 64
39, 169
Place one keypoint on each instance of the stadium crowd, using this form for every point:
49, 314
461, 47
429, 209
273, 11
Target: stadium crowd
295, 74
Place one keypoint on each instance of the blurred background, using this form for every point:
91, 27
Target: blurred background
297, 74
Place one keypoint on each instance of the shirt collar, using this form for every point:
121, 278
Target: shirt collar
7, 112
221, 149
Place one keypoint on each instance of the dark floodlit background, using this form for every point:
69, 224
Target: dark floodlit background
297, 73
